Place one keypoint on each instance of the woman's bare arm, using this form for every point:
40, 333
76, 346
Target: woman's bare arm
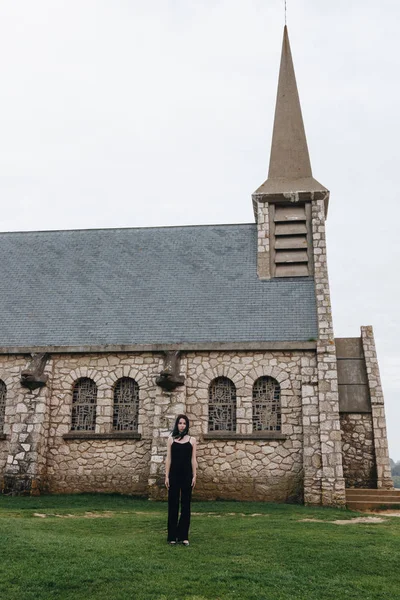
194, 461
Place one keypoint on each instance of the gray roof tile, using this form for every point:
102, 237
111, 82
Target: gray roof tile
146, 286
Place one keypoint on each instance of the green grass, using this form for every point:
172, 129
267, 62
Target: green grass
273, 555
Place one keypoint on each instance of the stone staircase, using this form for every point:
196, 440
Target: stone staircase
364, 499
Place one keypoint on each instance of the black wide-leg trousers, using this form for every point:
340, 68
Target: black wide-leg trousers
179, 489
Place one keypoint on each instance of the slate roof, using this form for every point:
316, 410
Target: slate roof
146, 286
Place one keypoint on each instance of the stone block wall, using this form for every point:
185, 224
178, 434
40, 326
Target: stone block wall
166, 408
3, 457
291, 465
240, 467
384, 477
107, 465
359, 465
312, 452
99, 466
332, 480
363, 424
263, 242
25, 429
248, 469
4, 448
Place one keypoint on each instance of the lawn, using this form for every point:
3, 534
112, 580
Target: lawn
112, 547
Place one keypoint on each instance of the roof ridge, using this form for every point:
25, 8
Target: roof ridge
127, 228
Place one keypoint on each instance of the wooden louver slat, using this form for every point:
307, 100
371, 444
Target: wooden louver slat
289, 213
292, 256
295, 242
294, 270
290, 229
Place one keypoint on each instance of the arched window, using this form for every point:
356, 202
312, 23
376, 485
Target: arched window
126, 405
3, 397
222, 405
84, 399
266, 405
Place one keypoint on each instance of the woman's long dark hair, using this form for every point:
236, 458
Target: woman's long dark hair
175, 432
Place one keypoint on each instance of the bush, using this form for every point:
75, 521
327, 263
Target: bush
396, 481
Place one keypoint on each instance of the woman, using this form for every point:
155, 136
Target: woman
180, 479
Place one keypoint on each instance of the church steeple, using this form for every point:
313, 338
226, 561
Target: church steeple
284, 203
289, 168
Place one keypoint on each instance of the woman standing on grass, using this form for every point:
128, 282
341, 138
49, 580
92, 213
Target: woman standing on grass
180, 479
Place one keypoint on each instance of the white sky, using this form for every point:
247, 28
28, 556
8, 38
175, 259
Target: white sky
133, 113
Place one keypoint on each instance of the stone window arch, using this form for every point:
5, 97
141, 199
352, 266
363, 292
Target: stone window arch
3, 398
84, 402
222, 405
126, 405
267, 404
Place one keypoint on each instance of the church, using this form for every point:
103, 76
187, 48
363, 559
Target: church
107, 335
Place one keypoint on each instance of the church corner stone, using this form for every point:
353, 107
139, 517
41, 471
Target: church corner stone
263, 242
330, 439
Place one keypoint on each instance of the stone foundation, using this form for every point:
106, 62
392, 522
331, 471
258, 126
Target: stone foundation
267, 471
91, 466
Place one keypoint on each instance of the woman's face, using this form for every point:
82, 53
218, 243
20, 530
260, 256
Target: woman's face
181, 425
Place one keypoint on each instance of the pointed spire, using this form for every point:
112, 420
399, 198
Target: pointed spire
289, 151
289, 167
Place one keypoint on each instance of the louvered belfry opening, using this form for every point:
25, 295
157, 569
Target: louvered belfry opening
291, 240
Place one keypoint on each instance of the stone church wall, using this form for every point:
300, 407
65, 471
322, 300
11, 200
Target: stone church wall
99, 466
359, 465
103, 460
272, 466
22, 427
4, 445
76, 465
247, 469
251, 470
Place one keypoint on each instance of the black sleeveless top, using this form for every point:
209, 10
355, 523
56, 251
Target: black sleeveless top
181, 460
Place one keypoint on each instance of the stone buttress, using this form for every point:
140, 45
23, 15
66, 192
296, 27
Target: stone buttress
26, 430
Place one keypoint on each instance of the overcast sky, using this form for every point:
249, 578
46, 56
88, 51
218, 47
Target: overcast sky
125, 113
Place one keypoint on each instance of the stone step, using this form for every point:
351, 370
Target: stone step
361, 493
373, 493
372, 499
369, 505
